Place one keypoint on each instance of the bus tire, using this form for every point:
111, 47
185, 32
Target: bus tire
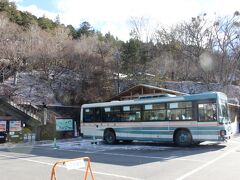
183, 138
109, 136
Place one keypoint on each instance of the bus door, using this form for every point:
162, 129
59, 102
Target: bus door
97, 120
207, 120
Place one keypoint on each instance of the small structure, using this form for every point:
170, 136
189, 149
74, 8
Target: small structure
67, 120
143, 90
14, 119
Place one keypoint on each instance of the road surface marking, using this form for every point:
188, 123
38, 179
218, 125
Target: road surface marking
51, 164
27, 159
153, 157
128, 155
207, 164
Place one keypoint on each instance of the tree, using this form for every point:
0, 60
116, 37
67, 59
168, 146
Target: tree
85, 29
135, 57
185, 43
4, 5
225, 45
204, 50
141, 29
13, 46
108, 47
46, 23
72, 32
57, 20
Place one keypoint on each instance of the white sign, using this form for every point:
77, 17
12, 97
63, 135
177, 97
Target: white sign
173, 105
77, 164
15, 126
148, 106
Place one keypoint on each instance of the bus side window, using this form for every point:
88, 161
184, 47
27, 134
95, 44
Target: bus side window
88, 115
207, 112
97, 115
179, 111
131, 113
106, 116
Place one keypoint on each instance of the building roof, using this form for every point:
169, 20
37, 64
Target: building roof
143, 89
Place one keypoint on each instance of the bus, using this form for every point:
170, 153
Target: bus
184, 120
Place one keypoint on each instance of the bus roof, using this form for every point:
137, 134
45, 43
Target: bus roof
192, 97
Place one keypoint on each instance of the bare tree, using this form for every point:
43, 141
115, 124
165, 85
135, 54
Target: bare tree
141, 29
203, 49
226, 45
13, 46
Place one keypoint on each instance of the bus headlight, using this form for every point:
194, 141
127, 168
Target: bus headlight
223, 133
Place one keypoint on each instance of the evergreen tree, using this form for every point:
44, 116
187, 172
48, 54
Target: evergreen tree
85, 29
72, 32
135, 56
46, 23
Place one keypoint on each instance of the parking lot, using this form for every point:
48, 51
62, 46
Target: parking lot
137, 160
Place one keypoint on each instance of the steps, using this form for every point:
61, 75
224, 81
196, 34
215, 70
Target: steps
35, 115
17, 109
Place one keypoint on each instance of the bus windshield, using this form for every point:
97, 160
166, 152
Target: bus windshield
223, 112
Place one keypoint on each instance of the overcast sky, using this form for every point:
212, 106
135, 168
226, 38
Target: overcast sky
114, 15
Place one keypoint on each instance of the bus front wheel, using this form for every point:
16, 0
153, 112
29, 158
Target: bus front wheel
109, 137
183, 138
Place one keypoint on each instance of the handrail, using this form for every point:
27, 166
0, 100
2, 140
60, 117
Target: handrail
34, 115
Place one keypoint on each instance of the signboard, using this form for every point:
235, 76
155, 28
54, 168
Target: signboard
15, 126
77, 164
64, 124
3, 126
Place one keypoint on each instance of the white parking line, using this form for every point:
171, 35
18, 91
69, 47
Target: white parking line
51, 164
131, 155
152, 157
207, 164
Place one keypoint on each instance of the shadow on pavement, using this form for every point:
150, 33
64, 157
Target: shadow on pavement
125, 154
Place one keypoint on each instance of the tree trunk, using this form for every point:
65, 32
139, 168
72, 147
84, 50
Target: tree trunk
15, 78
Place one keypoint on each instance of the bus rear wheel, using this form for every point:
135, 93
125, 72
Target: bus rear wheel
109, 137
183, 138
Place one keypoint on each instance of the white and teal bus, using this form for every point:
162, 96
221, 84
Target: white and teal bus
184, 120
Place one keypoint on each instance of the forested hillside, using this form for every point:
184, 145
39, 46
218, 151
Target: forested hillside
82, 65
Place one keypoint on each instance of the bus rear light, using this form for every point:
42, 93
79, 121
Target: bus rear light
222, 133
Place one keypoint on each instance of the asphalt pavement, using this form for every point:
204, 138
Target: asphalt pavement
134, 161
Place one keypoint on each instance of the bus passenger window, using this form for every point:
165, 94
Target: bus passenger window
111, 114
97, 117
131, 113
131, 116
179, 111
106, 114
207, 112
88, 115
154, 112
